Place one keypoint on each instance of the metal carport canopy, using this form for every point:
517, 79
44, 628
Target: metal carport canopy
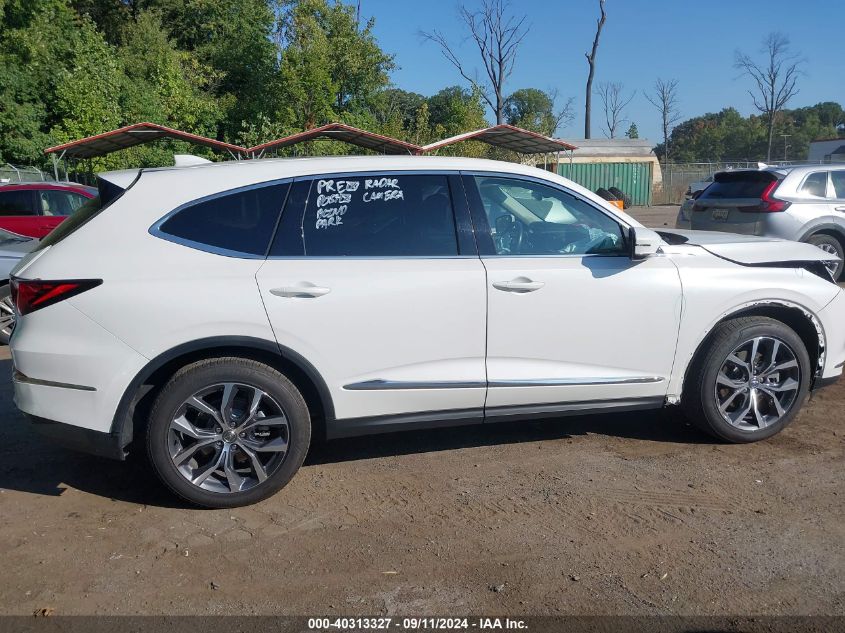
507, 137
132, 135
345, 133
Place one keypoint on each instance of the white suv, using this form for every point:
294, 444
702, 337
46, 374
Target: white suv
218, 316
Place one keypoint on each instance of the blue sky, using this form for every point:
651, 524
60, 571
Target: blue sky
691, 41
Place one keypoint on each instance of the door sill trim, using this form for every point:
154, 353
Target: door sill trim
351, 427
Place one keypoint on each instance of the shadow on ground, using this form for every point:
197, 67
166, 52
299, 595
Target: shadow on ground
29, 463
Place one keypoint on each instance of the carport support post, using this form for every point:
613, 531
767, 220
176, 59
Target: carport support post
55, 166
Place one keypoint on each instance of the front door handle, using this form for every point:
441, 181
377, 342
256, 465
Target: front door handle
302, 290
520, 284
841, 208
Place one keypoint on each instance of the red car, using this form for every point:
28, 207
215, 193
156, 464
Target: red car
34, 209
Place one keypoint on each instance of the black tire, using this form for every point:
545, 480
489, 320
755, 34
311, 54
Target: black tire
832, 245
192, 379
7, 314
620, 195
698, 400
603, 193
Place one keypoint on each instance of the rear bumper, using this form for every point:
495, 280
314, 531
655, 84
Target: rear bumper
80, 439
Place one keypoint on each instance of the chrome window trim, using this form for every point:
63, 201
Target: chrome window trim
155, 229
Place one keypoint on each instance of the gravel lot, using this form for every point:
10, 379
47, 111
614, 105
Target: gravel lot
614, 514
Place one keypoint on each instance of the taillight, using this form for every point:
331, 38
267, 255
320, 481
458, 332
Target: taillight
32, 295
768, 203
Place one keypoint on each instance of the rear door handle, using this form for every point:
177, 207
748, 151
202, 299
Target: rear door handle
520, 284
302, 290
841, 208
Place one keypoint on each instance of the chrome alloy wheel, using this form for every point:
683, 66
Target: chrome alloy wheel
758, 383
228, 437
7, 315
830, 265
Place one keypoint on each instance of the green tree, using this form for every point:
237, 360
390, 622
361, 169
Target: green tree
534, 109
633, 132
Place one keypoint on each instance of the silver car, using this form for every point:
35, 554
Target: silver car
12, 248
804, 204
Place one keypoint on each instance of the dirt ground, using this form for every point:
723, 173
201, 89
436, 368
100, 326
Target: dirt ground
615, 514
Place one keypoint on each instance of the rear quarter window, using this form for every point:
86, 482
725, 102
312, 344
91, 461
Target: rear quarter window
239, 222
740, 184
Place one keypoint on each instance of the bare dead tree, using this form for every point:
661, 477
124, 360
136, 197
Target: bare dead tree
591, 60
565, 114
665, 99
775, 78
614, 103
497, 36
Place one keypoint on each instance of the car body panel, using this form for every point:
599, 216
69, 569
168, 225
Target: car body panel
385, 325
752, 250
563, 343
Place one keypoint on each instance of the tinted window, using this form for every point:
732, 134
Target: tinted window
815, 184
16, 202
528, 218
838, 179
738, 184
241, 221
54, 202
379, 215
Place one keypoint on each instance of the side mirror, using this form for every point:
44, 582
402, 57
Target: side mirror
642, 243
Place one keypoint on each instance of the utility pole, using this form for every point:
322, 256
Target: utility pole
785, 146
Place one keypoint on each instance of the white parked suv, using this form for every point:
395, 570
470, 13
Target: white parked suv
218, 316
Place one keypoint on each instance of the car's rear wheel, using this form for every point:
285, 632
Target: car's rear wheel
7, 314
228, 432
830, 244
749, 380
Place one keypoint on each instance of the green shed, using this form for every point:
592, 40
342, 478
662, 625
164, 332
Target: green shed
627, 164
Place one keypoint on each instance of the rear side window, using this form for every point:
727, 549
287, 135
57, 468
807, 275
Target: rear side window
815, 185
391, 215
738, 184
16, 202
240, 222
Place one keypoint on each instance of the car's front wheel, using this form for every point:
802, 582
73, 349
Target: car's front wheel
228, 432
749, 381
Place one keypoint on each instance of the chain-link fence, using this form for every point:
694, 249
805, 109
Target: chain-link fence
677, 177
16, 173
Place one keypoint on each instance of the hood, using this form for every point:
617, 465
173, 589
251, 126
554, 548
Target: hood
749, 250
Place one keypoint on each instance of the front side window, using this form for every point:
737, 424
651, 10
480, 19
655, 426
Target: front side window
389, 215
815, 184
16, 202
529, 218
238, 222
